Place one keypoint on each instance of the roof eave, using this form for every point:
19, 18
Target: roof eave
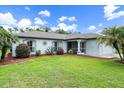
57, 38
40, 38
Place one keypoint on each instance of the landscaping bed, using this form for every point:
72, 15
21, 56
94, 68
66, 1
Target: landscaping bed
11, 60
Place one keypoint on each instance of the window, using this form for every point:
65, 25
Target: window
31, 45
55, 45
44, 43
82, 46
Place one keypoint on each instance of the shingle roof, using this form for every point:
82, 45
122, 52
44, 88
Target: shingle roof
38, 34
52, 35
74, 36
91, 35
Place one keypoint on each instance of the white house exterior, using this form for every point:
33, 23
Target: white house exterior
79, 43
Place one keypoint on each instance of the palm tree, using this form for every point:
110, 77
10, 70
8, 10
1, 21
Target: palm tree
110, 37
121, 38
6, 41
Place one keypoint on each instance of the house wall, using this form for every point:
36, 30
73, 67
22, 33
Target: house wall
106, 50
39, 45
43, 48
93, 48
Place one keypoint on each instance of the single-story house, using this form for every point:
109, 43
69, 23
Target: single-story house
80, 43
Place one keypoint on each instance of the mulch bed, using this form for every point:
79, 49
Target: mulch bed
120, 61
11, 60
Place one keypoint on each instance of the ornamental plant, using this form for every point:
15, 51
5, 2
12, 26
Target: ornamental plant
22, 51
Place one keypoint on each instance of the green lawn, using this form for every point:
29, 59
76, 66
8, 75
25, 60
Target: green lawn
63, 71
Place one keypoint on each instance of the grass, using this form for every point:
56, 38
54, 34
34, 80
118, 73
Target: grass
63, 71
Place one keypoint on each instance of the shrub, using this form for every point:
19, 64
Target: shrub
60, 51
22, 51
70, 51
50, 50
38, 52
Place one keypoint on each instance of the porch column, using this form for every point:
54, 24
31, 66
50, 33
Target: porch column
79, 51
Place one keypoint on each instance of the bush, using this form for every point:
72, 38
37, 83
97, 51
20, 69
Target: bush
50, 50
70, 51
22, 51
38, 52
60, 51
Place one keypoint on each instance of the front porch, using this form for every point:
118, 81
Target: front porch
78, 46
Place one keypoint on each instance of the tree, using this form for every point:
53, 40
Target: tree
21, 30
10, 29
61, 31
6, 41
113, 37
42, 29
121, 38
47, 29
38, 29
15, 29
29, 29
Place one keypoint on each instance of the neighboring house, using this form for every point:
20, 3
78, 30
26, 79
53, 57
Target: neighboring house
79, 43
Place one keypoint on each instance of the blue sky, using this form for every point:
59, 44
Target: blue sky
70, 18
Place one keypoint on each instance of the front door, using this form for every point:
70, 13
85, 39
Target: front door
73, 45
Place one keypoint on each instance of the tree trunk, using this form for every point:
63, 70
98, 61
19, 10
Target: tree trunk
123, 52
119, 53
115, 45
122, 48
4, 50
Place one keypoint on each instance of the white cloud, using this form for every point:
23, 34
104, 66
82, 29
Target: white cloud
109, 12
66, 27
54, 28
72, 19
35, 26
44, 13
64, 18
92, 27
27, 8
23, 23
100, 24
99, 31
7, 19
39, 21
